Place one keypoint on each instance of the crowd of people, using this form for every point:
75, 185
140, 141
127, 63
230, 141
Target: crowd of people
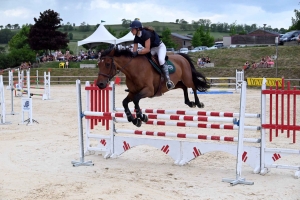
265, 62
59, 56
203, 60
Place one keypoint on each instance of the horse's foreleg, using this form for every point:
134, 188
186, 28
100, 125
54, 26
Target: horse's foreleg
139, 115
126, 109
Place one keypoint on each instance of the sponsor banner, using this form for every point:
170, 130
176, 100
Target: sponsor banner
258, 81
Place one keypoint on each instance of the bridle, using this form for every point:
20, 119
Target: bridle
113, 67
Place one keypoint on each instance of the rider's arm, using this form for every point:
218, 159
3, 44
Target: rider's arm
146, 49
135, 46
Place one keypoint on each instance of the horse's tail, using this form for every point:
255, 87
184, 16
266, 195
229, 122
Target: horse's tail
199, 79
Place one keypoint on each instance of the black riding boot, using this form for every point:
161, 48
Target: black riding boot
170, 85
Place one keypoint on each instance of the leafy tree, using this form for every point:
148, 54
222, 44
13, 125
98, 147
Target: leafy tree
1, 27
19, 48
8, 26
71, 36
5, 36
201, 38
126, 23
123, 33
296, 21
113, 32
166, 38
2, 50
233, 29
44, 34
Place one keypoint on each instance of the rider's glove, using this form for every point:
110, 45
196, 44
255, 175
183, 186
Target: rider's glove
134, 54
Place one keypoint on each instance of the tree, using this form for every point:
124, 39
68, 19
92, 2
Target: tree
296, 21
233, 29
5, 36
71, 36
19, 48
44, 35
166, 38
113, 32
126, 23
201, 38
123, 33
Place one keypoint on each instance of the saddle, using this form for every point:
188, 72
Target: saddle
153, 59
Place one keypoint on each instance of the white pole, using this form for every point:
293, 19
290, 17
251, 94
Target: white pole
80, 130
240, 147
2, 101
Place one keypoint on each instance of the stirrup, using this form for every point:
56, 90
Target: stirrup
170, 85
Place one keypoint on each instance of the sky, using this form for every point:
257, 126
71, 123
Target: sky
276, 13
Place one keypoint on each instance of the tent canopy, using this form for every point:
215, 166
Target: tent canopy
102, 35
126, 38
99, 36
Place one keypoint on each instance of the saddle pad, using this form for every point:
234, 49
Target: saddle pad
171, 66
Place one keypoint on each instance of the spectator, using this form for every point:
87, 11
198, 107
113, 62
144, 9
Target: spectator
254, 65
246, 65
298, 39
207, 59
67, 64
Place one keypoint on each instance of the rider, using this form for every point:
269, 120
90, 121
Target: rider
151, 42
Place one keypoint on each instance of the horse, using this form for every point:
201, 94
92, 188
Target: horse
144, 81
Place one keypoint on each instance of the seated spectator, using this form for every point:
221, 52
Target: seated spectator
246, 65
263, 62
207, 60
254, 65
298, 39
269, 62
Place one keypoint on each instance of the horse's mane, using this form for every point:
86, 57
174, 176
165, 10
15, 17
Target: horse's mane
117, 52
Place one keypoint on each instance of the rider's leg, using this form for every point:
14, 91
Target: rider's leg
170, 84
161, 53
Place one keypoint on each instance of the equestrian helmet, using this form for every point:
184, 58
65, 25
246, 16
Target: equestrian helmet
136, 24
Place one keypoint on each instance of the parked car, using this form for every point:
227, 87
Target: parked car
184, 50
170, 50
196, 49
212, 47
288, 36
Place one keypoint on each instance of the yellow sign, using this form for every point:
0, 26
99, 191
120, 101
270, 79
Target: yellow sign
258, 81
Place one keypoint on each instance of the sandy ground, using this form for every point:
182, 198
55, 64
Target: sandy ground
36, 160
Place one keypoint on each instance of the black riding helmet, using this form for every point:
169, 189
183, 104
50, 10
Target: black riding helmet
136, 24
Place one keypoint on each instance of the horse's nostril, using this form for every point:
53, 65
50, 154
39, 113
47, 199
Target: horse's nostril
101, 85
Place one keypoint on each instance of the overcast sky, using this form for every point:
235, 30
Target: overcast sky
275, 13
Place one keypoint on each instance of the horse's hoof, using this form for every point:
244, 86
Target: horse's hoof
137, 122
200, 105
144, 118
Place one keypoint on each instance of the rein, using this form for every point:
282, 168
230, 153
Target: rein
113, 67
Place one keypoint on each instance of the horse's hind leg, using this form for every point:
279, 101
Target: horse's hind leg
186, 96
197, 102
187, 101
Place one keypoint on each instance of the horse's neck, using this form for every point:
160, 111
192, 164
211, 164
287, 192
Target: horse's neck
129, 67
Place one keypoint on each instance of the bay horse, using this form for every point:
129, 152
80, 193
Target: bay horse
144, 81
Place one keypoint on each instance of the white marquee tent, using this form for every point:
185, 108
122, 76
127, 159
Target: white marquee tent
101, 35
